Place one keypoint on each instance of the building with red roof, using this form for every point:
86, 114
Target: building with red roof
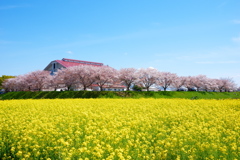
55, 65
65, 63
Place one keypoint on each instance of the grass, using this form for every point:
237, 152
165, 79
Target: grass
125, 94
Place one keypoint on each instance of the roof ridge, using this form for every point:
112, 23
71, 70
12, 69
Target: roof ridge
81, 61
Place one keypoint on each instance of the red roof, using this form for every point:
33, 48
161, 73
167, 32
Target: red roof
73, 62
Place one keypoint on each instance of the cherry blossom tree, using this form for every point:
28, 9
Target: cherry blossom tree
224, 85
37, 79
200, 81
166, 79
221, 84
213, 85
179, 82
21, 83
147, 77
18, 83
67, 77
227, 84
104, 75
9, 84
85, 75
189, 83
53, 81
128, 76
206, 84
238, 89
3, 78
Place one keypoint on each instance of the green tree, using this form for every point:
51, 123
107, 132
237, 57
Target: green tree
137, 88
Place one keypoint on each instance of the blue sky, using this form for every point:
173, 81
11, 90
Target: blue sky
187, 37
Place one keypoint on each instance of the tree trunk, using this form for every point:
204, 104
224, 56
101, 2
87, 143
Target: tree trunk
128, 87
68, 88
147, 88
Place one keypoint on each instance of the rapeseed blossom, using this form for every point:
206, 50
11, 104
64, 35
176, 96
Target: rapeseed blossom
120, 129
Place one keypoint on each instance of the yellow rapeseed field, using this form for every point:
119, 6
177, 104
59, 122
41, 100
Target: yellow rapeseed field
120, 129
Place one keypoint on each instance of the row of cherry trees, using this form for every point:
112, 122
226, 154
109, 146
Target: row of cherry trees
85, 76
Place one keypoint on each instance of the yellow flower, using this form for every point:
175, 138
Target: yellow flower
120, 128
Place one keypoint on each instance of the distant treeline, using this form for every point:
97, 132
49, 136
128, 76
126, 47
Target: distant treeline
85, 77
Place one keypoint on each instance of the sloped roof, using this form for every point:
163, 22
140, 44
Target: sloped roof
73, 62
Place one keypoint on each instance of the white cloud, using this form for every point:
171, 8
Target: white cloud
236, 39
151, 67
69, 52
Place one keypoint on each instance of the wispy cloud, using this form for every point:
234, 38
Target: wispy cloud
165, 54
236, 39
8, 7
236, 21
69, 52
218, 62
93, 40
11, 7
222, 4
156, 24
196, 56
238, 75
5, 42
218, 54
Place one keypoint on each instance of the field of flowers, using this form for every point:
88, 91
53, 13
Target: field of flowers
120, 129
